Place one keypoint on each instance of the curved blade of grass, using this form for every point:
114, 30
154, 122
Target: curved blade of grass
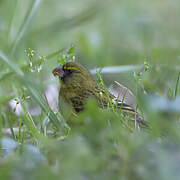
41, 101
58, 123
11, 64
10, 29
26, 21
26, 67
33, 88
28, 121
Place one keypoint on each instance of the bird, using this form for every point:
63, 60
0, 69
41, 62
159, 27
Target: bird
77, 85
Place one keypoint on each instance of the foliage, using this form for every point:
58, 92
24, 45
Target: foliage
140, 40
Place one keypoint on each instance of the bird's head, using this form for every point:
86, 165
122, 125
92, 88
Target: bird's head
73, 74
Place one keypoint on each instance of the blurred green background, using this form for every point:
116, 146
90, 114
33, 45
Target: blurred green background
139, 38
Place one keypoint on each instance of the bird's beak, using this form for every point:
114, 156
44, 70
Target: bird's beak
58, 72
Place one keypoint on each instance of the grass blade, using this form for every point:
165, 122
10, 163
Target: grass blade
177, 85
34, 90
28, 121
26, 67
11, 64
26, 21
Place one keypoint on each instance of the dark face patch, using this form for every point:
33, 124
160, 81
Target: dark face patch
64, 71
72, 73
67, 74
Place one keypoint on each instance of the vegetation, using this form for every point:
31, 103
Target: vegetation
136, 44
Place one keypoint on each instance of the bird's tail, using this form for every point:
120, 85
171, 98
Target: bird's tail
129, 111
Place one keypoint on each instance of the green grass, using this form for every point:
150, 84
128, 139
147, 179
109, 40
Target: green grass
136, 44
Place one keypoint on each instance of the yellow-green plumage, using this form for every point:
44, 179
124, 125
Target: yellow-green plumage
78, 85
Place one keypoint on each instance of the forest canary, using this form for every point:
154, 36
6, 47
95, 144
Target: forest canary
78, 85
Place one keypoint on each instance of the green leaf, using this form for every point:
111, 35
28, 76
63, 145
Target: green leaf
71, 50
